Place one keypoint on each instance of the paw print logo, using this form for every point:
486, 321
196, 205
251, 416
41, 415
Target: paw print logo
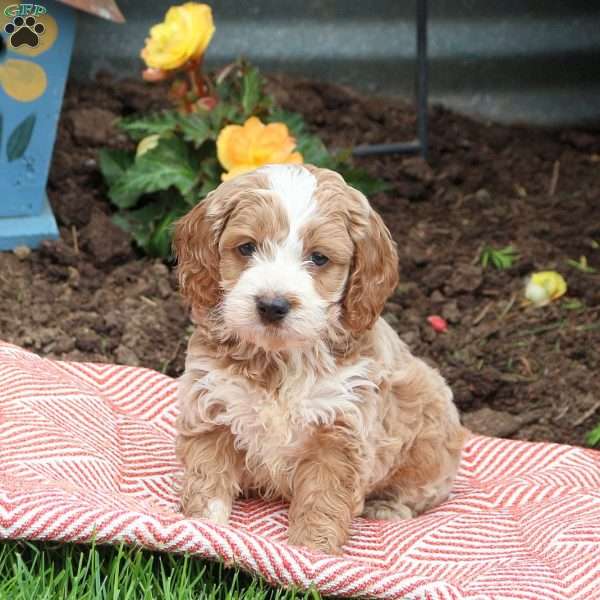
24, 31
27, 36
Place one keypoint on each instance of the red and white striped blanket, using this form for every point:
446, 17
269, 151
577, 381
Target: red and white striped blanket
86, 450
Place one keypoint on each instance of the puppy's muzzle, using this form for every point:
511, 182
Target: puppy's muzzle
272, 310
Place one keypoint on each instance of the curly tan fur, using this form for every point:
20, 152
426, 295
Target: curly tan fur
327, 409
196, 240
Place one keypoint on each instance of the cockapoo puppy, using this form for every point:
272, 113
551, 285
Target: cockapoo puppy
294, 387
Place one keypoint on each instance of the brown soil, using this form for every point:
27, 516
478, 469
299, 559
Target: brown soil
516, 371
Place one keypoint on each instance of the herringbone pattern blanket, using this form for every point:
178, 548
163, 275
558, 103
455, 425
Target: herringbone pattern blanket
86, 451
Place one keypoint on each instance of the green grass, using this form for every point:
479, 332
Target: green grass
71, 572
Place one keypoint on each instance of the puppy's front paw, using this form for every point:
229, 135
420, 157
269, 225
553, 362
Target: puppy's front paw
387, 510
324, 535
215, 509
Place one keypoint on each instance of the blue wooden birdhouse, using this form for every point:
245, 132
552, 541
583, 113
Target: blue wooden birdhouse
35, 51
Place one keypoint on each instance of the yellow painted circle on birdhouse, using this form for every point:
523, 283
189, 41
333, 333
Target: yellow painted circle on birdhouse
22, 80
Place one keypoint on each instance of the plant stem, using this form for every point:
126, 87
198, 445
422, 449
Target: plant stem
196, 78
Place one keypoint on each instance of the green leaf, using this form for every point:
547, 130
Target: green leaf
294, 121
311, 147
593, 437
139, 127
362, 181
581, 265
161, 240
206, 188
140, 231
314, 151
224, 114
500, 261
251, 91
113, 163
170, 163
155, 209
19, 139
500, 258
573, 304
196, 129
144, 222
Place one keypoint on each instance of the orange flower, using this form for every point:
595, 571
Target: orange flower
243, 148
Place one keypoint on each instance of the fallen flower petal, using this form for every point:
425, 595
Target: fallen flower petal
438, 323
545, 286
148, 143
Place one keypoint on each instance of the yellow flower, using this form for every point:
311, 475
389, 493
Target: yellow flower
243, 148
545, 286
183, 36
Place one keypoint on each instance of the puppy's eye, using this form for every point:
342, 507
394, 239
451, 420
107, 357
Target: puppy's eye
318, 259
247, 249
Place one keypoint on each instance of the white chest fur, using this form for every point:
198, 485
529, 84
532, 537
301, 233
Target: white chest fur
269, 426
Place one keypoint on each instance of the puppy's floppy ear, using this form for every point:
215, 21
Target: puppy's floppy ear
196, 245
374, 272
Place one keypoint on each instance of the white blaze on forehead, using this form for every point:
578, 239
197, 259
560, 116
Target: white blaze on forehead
280, 268
295, 187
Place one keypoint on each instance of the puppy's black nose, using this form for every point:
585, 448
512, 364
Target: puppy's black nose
272, 310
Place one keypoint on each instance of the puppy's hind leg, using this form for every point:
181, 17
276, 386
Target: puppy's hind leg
422, 481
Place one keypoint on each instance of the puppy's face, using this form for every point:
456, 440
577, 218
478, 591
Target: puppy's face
285, 253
